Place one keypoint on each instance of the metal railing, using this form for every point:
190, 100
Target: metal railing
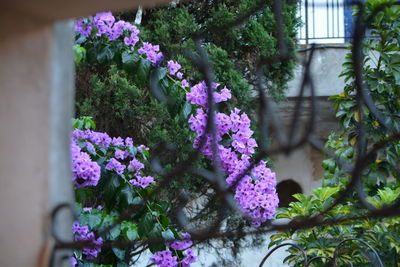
324, 21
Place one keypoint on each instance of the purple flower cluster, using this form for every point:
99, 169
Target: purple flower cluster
102, 140
87, 172
174, 67
142, 181
83, 27
166, 259
182, 244
152, 53
115, 165
198, 94
185, 83
255, 193
82, 233
189, 258
104, 24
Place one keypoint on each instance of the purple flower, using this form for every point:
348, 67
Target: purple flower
115, 165
133, 37
185, 83
173, 67
118, 141
73, 261
86, 172
90, 148
143, 182
103, 22
179, 75
128, 142
142, 148
189, 258
182, 245
198, 94
82, 233
164, 259
117, 30
97, 138
151, 51
87, 209
119, 154
135, 165
83, 27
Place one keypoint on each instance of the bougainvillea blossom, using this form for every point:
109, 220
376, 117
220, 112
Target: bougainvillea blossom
255, 193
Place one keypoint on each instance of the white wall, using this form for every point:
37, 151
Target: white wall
325, 70
301, 167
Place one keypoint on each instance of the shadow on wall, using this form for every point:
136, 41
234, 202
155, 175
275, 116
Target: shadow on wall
286, 189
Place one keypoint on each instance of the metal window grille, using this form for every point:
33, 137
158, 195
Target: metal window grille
325, 21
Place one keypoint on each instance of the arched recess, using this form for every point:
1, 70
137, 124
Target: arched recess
286, 189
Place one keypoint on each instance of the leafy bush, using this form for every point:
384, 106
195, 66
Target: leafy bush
380, 234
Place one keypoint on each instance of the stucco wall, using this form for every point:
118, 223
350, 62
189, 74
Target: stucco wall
325, 69
25, 86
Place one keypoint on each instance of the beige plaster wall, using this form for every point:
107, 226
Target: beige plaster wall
24, 96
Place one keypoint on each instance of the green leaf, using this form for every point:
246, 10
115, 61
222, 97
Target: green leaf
161, 73
93, 220
145, 154
165, 221
156, 232
187, 109
142, 72
133, 150
79, 52
119, 253
107, 221
105, 54
130, 230
110, 186
128, 57
145, 225
132, 233
324, 193
168, 235
115, 232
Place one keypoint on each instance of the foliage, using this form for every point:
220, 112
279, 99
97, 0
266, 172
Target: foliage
381, 234
380, 176
233, 52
